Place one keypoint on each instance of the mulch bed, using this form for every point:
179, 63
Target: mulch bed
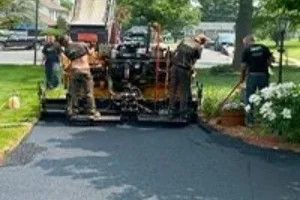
251, 136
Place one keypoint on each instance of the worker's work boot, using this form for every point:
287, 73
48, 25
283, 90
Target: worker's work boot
94, 115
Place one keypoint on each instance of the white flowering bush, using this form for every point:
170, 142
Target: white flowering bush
278, 107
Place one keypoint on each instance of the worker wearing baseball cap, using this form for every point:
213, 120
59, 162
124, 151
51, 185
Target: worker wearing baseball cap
185, 57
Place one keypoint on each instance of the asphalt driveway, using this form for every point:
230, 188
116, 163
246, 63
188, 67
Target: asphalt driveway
134, 163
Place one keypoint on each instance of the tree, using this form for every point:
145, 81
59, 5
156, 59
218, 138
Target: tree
122, 14
243, 28
16, 11
219, 10
290, 5
66, 4
62, 24
269, 12
171, 14
4, 4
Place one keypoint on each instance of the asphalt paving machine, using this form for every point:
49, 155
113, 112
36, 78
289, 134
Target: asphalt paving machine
131, 83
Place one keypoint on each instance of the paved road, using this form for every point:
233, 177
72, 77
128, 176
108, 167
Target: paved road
209, 58
125, 163
19, 57
212, 58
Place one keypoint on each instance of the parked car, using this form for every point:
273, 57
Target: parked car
210, 43
15, 40
224, 39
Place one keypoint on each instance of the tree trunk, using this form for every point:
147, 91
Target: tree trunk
243, 28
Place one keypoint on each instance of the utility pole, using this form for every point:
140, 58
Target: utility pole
37, 2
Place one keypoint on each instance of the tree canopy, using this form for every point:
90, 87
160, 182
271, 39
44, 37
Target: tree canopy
16, 11
171, 14
283, 5
219, 10
268, 12
4, 4
66, 4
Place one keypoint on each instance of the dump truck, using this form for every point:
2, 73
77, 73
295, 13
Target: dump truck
93, 21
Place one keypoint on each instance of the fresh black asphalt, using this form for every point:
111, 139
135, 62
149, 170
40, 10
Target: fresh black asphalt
58, 162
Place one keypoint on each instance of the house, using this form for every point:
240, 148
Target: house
211, 29
50, 10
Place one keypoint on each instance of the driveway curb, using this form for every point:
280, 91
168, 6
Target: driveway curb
209, 129
8, 150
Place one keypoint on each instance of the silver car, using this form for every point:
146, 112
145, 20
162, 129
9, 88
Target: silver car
224, 39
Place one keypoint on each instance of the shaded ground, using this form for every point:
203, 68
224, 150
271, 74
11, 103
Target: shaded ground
120, 163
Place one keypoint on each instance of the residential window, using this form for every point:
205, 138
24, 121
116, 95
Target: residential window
53, 14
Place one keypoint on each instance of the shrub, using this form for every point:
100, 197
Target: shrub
278, 107
221, 69
209, 106
53, 31
211, 99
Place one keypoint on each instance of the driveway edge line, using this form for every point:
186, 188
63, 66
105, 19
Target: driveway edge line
8, 150
280, 146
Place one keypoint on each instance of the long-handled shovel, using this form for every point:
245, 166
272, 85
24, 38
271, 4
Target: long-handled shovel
220, 105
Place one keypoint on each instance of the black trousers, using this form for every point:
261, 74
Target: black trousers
180, 79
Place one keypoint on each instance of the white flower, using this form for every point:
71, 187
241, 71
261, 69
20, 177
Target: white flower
233, 106
268, 93
271, 116
267, 112
266, 107
248, 108
287, 113
255, 99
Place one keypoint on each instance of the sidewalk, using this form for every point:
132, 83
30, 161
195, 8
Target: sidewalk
287, 60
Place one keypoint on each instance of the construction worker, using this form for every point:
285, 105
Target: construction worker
256, 59
81, 77
185, 56
51, 58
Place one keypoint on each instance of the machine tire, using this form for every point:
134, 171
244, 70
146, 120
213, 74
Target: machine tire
194, 118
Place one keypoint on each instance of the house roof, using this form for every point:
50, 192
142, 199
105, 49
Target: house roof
53, 5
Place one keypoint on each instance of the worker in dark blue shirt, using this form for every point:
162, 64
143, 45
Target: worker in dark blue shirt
256, 60
52, 52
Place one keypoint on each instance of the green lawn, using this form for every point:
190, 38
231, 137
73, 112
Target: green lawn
10, 135
24, 79
217, 87
292, 47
